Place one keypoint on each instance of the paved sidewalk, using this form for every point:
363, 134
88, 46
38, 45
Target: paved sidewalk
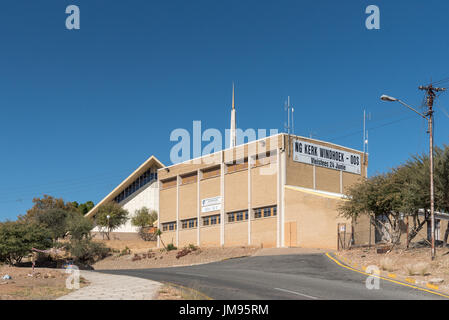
114, 287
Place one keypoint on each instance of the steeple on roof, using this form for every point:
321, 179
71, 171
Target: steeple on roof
232, 132
233, 96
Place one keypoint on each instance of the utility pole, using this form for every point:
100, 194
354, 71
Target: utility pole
430, 92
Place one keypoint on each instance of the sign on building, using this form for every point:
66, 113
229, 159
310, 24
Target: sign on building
326, 157
211, 204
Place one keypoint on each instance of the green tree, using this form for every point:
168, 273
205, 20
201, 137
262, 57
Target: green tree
143, 217
55, 220
17, 238
110, 216
404, 191
45, 203
79, 227
85, 207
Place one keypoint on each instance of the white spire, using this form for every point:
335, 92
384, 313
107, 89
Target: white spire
232, 139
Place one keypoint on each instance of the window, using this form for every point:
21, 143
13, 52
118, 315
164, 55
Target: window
265, 212
211, 172
237, 165
138, 183
189, 178
211, 220
169, 226
238, 216
189, 223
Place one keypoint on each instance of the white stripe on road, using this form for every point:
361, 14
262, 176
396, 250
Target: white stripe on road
297, 293
193, 274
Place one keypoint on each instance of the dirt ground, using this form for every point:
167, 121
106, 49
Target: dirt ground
172, 292
157, 258
45, 284
136, 246
406, 263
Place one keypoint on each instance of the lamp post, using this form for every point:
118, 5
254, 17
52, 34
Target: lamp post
429, 117
108, 217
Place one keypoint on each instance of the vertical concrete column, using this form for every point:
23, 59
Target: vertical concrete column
177, 210
222, 194
283, 177
341, 181
314, 177
278, 200
249, 197
198, 206
158, 210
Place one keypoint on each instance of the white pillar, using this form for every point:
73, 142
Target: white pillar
177, 210
222, 193
198, 206
249, 198
283, 174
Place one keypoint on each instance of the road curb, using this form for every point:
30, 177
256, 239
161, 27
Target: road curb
392, 277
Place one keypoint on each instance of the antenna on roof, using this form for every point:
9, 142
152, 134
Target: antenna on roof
289, 126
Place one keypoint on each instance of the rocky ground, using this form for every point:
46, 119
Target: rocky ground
413, 263
159, 258
44, 284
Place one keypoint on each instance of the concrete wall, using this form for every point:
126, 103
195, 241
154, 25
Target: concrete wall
315, 217
263, 232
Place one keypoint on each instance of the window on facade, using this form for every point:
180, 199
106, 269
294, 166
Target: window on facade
138, 183
169, 183
189, 223
237, 165
238, 216
190, 178
211, 172
265, 212
211, 220
169, 226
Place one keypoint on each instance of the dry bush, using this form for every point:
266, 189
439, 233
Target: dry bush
418, 269
387, 264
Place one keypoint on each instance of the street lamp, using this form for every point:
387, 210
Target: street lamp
107, 217
428, 117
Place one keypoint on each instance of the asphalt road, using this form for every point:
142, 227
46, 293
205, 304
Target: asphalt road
304, 276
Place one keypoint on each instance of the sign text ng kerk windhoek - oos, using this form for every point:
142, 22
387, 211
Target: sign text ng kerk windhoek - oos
310, 153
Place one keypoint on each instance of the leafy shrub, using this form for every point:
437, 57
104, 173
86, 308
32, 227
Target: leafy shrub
171, 247
18, 238
87, 251
125, 251
193, 247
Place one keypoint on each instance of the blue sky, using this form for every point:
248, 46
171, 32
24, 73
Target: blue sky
81, 109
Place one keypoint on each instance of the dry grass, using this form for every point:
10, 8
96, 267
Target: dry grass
45, 284
158, 258
136, 246
387, 264
418, 269
403, 262
175, 292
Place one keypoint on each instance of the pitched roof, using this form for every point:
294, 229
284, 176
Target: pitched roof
125, 183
